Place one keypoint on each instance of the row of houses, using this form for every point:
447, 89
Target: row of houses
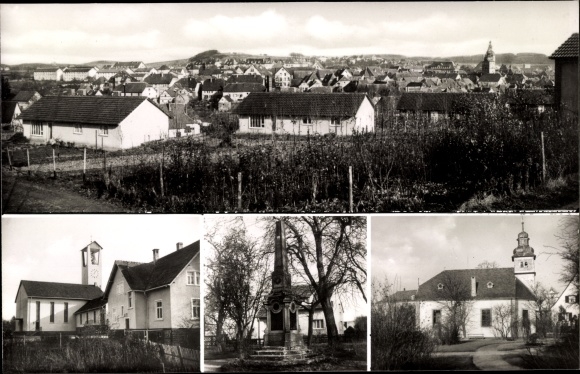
162, 295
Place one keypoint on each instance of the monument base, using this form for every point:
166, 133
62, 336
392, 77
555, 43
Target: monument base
282, 346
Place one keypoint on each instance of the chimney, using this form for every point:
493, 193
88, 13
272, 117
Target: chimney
155, 255
179, 245
473, 287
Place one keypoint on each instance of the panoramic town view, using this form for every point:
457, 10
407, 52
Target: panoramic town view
311, 186
250, 108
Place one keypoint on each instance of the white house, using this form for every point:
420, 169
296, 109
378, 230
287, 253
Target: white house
48, 74
80, 73
493, 297
161, 294
110, 122
566, 306
306, 113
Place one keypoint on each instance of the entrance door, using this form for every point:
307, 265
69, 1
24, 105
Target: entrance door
37, 324
126, 323
49, 130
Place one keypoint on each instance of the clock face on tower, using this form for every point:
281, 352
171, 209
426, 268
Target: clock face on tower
94, 273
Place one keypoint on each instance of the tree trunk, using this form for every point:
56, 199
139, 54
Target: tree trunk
310, 318
219, 329
331, 330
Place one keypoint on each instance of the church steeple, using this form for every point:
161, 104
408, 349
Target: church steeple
488, 63
523, 258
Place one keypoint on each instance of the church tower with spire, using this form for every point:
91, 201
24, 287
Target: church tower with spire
524, 259
488, 63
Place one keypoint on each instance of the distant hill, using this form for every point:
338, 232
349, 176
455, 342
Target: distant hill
505, 58
100, 63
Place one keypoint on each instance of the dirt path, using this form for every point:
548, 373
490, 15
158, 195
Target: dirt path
490, 357
23, 196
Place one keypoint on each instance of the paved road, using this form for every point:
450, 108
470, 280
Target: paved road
490, 357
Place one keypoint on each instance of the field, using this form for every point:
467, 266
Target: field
483, 162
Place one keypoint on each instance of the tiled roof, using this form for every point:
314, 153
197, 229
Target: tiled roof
569, 49
490, 78
425, 101
159, 78
55, 290
103, 110
81, 69
404, 295
244, 87
245, 79
179, 116
301, 104
151, 275
131, 87
97, 303
8, 108
213, 85
504, 284
47, 70
128, 64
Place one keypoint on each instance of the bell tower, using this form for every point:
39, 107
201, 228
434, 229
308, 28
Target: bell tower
92, 264
524, 259
488, 63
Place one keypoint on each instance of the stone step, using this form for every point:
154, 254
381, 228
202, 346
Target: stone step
279, 353
276, 357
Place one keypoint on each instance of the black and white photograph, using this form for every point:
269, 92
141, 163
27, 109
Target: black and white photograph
285, 293
101, 293
474, 292
290, 107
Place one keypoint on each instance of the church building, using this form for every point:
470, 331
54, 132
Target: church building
493, 299
51, 306
488, 63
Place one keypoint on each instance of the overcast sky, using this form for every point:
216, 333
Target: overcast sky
353, 307
80, 33
407, 247
47, 247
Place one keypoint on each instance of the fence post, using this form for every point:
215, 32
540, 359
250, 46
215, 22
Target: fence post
240, 190
180, 357
96, 141
543, 160
9, 160
84, 164
54, 163
350, 188
28, 160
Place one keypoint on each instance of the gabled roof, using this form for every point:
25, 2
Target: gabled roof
132, 87
103, 110
245, 79
568, 49
301, 104
405, 295
159, 78
79, 69
505, 284
426, 101
213, 85
148, 276
490, 78
47, 70
53, 290
24, 96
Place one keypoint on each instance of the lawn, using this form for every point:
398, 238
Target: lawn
451, 363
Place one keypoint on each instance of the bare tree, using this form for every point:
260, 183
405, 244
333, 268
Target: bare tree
329, 254
455, 296
542, 307
487, 265
568, 249
502, 321
237, 281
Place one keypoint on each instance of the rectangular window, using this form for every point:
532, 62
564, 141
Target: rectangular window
256, 121
104, 130
159, 309
51, 312
130, 299
65, 312
80, 319
335, 121
193, 278
37, 128
436, 317
525, 315
486, 318
122, 310
78, 129
317, 323
306, 120
94, 316
195, 311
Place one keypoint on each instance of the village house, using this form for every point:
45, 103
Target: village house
305, 113
80, 73
566, 307
210, 87
161, 81
485, 292
135, 89
106, 73
566, 80
433, 106
163, 294
225, 104
180, 123
26, 98
492, 80
442, 67
10, 112
282, 77
48, 74
108, 122
51, 306
129, 65
239, 91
